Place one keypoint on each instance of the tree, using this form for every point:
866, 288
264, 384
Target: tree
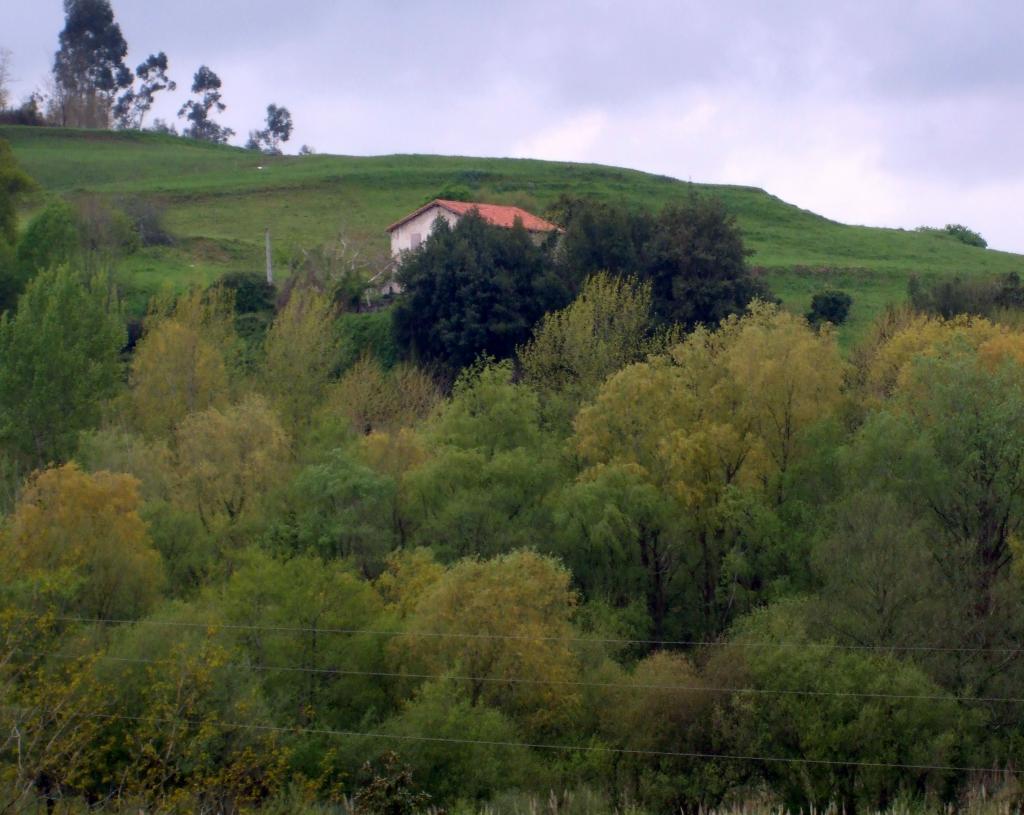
168, 746
278, 129
601, 237
205, 84
861, 706
696, 262
372, 398
482, 491
133, 105
949, 445
58, 362
13, 183
341, 508
228, 459
182, 363
51, 239
299, 356
623, 539
663, 706
388, 788
472, 289
965, 235
604, 329
89, 67
5, 78
430, 727
523, 603
87, 526
308, 593
880, 584
715, 427
829, 306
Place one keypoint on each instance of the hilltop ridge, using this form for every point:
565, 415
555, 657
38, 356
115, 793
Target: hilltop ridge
217, 201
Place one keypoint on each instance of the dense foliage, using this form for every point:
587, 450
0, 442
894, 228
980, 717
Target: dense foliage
649, 565
829, 306
473, 289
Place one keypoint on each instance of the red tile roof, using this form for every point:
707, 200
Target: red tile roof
495, 214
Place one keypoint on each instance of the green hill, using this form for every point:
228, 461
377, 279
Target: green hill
218, 200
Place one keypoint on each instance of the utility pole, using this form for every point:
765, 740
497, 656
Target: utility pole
270, 263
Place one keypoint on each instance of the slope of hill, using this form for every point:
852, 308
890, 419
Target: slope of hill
218, 200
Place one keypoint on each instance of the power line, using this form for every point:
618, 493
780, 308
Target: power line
589, 748
534, 638
514, 680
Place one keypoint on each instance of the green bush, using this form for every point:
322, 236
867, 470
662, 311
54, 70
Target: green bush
365, 334
829, 306
965, 235
51, 239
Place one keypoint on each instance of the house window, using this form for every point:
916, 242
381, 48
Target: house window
414, 240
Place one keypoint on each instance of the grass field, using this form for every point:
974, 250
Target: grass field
218, 201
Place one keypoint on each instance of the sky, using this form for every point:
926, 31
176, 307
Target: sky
897, 113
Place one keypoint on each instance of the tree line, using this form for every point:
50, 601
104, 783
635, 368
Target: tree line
92, 86
606, 521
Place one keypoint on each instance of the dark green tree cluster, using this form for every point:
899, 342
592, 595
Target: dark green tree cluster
478, 290
89, 68
473, 289
692, 253
829, 306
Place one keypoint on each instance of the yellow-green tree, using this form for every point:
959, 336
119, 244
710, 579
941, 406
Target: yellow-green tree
185, 729
226, 460
888, 360
299, 351
575, 349
182, 363
783, 377
664, 705
494, 622
715, 426
369, 398
81, 535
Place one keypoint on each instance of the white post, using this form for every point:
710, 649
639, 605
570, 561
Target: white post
269, 262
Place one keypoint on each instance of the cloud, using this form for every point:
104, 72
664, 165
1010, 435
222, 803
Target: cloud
570, 140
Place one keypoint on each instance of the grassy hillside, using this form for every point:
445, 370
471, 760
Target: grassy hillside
218, 200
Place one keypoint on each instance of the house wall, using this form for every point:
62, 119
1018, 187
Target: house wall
402, 237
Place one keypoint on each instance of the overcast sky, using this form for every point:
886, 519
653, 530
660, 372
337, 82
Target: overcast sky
896, 113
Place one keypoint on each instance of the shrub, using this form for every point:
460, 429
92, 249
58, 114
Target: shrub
957, 231
365, 335
954, 296
829, 306
51, 239
965, 235
252, 292
147, 217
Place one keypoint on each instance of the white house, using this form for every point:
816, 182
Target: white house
414, 228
